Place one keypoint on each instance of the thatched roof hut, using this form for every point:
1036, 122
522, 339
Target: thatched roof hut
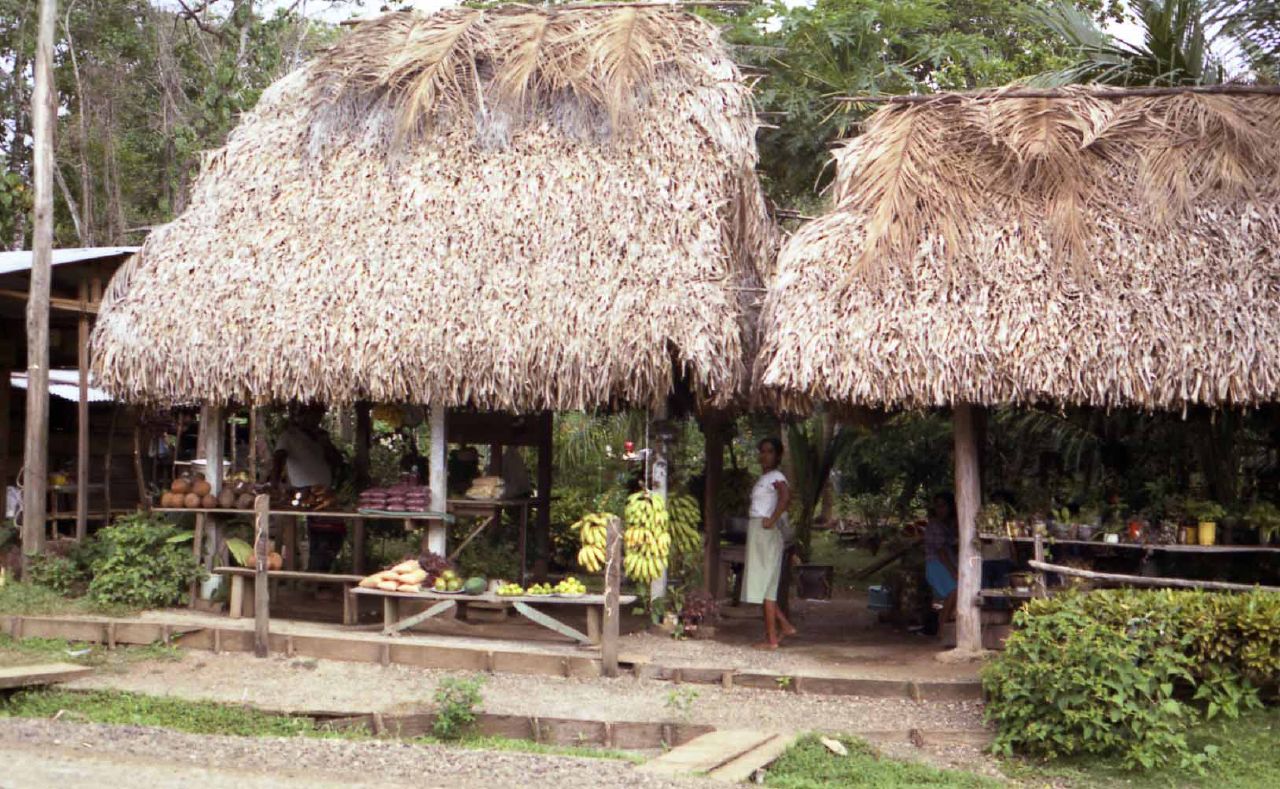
1092, 249
513, 208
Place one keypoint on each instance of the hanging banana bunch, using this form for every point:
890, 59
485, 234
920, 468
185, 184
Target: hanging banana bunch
647, 536
591, 532
686, 518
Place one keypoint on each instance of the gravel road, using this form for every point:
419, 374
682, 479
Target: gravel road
293, 684
39, 753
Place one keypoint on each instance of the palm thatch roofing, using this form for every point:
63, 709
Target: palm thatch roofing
1093, 249
510, 208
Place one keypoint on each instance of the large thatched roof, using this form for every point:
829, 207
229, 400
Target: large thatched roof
513, 208
1085, 250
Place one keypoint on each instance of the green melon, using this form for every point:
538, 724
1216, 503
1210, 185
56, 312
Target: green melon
474, 585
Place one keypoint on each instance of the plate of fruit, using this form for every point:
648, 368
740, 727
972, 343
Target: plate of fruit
510, 590
540, 590
570, 587
447, 582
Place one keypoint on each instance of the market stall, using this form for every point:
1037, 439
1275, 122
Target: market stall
1067, 248
559, 250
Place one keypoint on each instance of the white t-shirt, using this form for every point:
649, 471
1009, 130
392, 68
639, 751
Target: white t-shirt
305, 462
764, 496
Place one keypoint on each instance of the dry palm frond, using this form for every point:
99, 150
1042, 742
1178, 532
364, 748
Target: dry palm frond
501, 63
1175, 199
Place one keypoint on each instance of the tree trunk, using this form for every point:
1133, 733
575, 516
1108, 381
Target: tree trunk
968, 500
36, 447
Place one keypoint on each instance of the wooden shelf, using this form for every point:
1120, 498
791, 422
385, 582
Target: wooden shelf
368, 515
1050, 541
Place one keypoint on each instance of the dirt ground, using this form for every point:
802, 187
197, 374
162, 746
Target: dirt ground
58, 753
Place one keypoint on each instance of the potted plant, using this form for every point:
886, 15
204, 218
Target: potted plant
1265, 517
991, 519
1207, 514
1060, 525
1088, 519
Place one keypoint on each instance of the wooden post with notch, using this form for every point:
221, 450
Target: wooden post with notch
612, 590
713, 429
261, 617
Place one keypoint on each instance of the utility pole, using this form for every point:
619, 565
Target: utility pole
36, 447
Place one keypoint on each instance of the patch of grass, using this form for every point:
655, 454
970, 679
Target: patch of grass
206, 717
1244, 758
529, 746
28, 651
27, 599
809, 765
135, 709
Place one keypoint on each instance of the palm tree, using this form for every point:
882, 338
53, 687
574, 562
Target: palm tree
1185, 42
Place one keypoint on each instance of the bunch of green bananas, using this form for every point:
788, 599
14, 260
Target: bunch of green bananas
647, 536
686, 517
591, 531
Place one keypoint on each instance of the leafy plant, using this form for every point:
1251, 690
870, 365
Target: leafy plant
456, 699
680, 702
1265, 517
1125, 672
145, 562
1202, 510
57, 573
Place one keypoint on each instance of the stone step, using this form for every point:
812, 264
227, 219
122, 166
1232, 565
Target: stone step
729, 755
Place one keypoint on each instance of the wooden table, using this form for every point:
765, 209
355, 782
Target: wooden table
1146, 546
523, 604
240, 601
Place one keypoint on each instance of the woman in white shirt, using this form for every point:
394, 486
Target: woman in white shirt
765, 543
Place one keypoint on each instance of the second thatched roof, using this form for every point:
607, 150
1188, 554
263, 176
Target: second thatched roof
511, 208
1091, 250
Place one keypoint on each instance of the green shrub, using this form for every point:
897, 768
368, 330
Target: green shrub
145, 561
57, 573
1125, 672
456, 700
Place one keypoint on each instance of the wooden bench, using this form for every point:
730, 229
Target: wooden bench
241, 601
523, 605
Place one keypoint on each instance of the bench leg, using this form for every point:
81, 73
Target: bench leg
235, 606
350, 606
593, 623
390, 613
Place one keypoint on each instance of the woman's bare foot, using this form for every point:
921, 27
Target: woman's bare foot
765, 646
789, 631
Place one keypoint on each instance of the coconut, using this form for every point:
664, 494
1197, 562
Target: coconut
209, 501
166, 499
227, 499
244, 501
180, 485
191, 501
201, 487
274, 561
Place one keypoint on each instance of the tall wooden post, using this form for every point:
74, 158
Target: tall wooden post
213, 421
364, 434
612, 590
82, 415
261, 605
658, 482
968, 500
437, 534
713, 474
542, 522
36, 446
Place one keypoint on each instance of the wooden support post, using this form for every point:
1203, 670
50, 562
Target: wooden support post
261, 615
144, 501
437, 539
197, 548
82, 418
213, 420
1038, 552
36, 446
542, 523
713, 431
612, 589
658, 472
253, 443
5, 425
357, 546
968, 501
364, 434
235, 603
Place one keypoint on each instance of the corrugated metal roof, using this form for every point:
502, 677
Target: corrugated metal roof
13, 262
64, 384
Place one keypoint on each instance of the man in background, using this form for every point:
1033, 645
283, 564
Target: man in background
306, 457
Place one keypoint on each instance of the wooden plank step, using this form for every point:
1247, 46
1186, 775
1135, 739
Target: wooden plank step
742, 768
707, 752
43, 674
